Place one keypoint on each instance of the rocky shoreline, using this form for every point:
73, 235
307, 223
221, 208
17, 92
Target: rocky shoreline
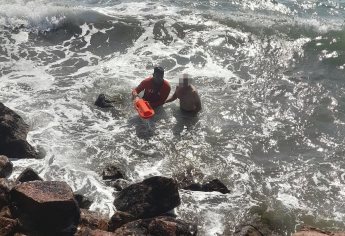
30, 205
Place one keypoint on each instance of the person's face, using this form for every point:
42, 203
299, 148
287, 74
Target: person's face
183, 82
157, 79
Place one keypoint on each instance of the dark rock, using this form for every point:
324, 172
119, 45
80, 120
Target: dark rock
93, 220
7, 226
119, 184
13, 132
112, 172
28, 175
45, 206
194, 187
5, 187
214, 185
118, 219
162, 225
82, 201
6, 167
84, 231
152, 197
103, 101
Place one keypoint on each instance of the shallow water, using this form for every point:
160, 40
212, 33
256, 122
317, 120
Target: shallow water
270, 75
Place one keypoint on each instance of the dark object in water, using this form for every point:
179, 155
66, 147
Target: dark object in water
103, 101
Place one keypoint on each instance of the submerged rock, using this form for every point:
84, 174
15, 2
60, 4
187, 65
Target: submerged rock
103, 101
213, 185
13, 133
149, 198
6, 167
82, 201
112, 172
28, 175
167, 226
45, 206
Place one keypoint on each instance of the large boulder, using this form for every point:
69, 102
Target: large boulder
28, 175
163, 225
152, 197
45, 206
6, 167
13, 132
307, 230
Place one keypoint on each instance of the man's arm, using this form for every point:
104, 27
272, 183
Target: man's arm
137, 90
172, 98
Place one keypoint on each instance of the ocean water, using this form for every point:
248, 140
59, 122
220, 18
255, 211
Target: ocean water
271, 79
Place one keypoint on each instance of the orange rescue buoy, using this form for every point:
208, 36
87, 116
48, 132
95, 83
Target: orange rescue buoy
144, 108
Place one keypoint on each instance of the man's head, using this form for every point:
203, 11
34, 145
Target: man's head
184, 81
158, 75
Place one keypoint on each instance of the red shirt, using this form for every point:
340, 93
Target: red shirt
154, 98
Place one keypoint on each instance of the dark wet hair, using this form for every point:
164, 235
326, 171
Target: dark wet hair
158, 70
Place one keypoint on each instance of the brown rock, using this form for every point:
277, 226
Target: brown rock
90, 232
45, 206
6, 167
118, 219
93, 220
162, 225
7, 226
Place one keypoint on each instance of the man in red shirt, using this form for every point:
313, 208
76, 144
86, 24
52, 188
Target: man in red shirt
156, 88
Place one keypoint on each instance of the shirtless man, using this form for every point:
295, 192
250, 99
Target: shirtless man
189, 97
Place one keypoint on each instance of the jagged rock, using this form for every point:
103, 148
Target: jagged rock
7, 226
149, 198
103, 101
6, 167
82, 201
13, 132
45, 206
167, 226
84, 231
28, 175
112, 172
213, 185
118, 219
93, 220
